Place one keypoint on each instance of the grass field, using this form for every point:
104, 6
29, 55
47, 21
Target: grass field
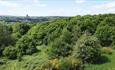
110, 65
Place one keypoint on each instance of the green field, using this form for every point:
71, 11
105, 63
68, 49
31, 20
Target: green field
110, 65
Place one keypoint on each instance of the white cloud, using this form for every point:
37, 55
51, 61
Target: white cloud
38, 3
106, 6
8, 3
80, 1
41, 5
65, 12
14, 4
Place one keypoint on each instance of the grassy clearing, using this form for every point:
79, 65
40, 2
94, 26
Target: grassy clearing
110, 65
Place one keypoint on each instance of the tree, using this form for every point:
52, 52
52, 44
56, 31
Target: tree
61, 47
19, 29
105, 34
5, 37
26, 46
87, 49
10, 52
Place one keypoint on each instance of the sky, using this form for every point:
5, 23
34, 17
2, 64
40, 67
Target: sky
56, 7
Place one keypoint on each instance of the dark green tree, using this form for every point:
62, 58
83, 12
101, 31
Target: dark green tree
87, 49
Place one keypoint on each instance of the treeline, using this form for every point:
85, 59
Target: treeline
27, 18
70, 42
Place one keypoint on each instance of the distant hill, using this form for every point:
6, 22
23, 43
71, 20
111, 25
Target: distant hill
28, 18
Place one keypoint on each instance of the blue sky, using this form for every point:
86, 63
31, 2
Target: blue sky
56, 7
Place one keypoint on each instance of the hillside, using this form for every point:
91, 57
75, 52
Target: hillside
69, 43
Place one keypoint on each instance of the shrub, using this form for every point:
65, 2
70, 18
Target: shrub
105, 34
87, 49
20, 28
19, 56
62, 46
26, 46
10, 52
67, 63
50, 65
5, 37
2, 61
107, 50
113, 46
59, 49
70, 63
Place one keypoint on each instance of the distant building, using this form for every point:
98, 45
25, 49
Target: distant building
27, 18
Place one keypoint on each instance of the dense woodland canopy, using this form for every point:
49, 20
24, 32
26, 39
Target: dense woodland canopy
66, 43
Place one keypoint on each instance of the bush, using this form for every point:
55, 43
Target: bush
26, 46
5, 35
2, 61
20, 28
59, 49
87, 49
105, 34
67, 63
10, 52
113, 46
62, 46
70, 63
107, 50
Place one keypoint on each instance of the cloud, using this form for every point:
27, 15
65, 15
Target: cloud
8, 3
65, 12
42, 5
106, 6
59, 11
38, 3
14, 4
103, 8
80, 1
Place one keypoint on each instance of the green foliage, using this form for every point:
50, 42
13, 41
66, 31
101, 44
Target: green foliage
59, 49
113, 46
68, 63
2, 61
5, 35
107, 50
16, 35
86, 23
26, 46
105, 31
22, 28
87, 49
105, 66
19, 29
10, 52
109, 21
57, 40
73, 30
105, 34
61, 46
19, 56
45, 33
